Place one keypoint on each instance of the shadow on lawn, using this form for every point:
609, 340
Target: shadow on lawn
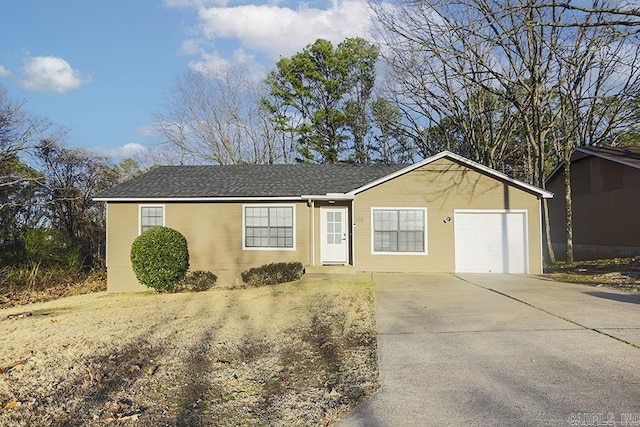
305, 373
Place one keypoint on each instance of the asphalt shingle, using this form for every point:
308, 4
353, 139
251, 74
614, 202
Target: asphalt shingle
169, 182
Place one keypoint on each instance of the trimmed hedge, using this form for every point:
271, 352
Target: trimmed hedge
272, 274
160, 258
196, 281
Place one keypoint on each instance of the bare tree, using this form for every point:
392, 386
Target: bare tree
598, 102
18, 130
70, 180
210, 118
18, 180
552, 80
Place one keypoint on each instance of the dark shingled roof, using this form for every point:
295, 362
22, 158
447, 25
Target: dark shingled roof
629, 155
176, 182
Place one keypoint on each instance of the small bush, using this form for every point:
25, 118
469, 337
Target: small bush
160, 258
196, 281
272, 274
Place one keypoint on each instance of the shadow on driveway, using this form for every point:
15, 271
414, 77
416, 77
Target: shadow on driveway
631, 299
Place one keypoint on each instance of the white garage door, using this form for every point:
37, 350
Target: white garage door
490, 241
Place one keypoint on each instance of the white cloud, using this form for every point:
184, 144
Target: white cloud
214, 65
152, 129
191, 47
3, 71
126, 151
51, 74
211, 63
277, 30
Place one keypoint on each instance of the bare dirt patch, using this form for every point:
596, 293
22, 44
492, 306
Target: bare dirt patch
618, 273
298, 354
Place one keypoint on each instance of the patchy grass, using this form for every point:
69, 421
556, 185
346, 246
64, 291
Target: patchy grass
619, 273
296, 354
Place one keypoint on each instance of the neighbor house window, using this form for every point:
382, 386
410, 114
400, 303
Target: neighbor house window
399, 230
269, 227
151, 216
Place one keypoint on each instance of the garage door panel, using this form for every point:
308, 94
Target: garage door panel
490, 242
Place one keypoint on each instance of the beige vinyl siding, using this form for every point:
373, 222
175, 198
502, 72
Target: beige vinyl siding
441, 187
213, 232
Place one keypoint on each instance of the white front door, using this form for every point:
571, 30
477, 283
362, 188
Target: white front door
335, 235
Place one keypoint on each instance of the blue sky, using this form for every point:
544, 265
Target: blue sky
100, 69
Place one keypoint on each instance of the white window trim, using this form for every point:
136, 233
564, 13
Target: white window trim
164, 213
400, 208
262, 205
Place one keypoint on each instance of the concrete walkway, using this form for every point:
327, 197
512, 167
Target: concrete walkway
503, 350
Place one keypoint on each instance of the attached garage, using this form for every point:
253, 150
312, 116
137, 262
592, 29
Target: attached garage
489, 241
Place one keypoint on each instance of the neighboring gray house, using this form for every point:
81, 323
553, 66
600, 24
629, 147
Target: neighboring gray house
605, 185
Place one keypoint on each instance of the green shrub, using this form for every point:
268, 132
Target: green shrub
49, 247
272, 274
196, 281
160, 258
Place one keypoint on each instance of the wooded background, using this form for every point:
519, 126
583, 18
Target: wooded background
515, 85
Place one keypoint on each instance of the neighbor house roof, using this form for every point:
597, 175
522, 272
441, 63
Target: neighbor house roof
284, 182
628, 156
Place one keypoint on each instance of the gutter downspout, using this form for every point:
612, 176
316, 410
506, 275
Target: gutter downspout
542, 227
313, 231
353, 231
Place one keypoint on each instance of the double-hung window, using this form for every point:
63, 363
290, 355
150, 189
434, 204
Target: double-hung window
269, 227
399, 230
151, 216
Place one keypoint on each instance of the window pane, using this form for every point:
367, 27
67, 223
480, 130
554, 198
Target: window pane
256, 237
279, 237
411, 241
412, 220
256, 217
385, 220
385, 241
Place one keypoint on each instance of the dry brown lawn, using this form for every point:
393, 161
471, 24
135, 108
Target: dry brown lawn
618, 273
297, 354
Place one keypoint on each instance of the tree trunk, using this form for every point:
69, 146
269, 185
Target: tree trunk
547, 229
569, 208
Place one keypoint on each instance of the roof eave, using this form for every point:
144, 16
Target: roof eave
194, 199
322, 197
328, 196
585, 150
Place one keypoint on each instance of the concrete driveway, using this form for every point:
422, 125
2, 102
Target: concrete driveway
503, 350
